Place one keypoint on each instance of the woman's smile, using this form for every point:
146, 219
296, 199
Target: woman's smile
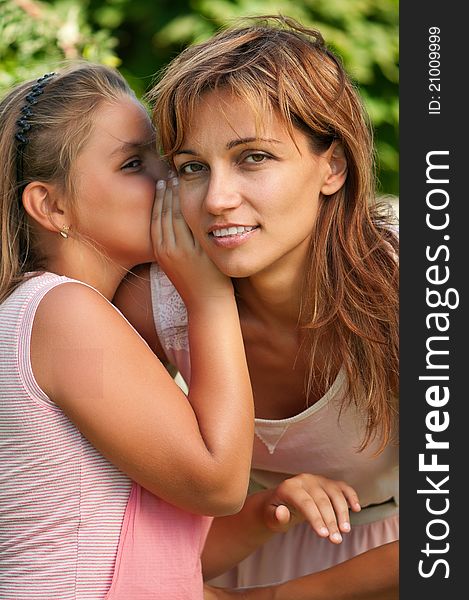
230, 235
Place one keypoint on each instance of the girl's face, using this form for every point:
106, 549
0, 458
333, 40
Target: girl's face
115, 180
250, 197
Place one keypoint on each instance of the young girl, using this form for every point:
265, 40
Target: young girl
275, 160
106, 468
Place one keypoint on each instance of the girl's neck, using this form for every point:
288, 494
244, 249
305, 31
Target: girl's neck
99, 273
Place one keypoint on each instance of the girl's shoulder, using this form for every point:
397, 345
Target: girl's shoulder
27, 295
72, 305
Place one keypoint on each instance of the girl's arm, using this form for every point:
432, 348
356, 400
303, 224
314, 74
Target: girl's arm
194, 454
322, 502
372, 575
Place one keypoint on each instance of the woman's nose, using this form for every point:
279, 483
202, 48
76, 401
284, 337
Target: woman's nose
222, 195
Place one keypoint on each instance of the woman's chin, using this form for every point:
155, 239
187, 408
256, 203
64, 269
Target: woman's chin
237, 271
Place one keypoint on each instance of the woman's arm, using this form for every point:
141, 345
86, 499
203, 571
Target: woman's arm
373, 575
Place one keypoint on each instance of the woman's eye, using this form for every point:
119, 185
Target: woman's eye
256, 157
190, 168
136, 163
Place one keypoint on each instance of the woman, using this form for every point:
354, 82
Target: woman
274, 155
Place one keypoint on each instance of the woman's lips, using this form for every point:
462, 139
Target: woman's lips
232, 236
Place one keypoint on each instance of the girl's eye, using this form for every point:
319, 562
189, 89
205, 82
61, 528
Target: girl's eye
134, 164
190, 168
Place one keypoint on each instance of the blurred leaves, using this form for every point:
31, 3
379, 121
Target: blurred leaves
35, 36
141, 36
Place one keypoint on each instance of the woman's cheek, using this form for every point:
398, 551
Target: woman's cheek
187, 203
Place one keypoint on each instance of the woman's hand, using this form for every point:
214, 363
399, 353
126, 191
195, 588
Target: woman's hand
179, 254
322, 502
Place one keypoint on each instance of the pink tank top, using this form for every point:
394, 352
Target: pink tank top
159, 551
72, 526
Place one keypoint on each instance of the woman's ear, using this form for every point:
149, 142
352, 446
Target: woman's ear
45, 206
337, 175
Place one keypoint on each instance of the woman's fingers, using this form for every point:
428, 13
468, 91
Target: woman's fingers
352, 497
344, 499
323, 502
322, 516
282, 514
311, 505
278, 517
335, 514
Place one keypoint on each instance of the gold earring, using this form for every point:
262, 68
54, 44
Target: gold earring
64, 231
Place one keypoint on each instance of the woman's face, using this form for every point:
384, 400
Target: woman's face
115, 180
250, 197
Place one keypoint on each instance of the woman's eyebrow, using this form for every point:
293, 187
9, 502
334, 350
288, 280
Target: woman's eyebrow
233, 144
248, 140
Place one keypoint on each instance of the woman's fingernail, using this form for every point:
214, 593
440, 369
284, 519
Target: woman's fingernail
160, 184
346, 526
175, 181
324, 531
336, 537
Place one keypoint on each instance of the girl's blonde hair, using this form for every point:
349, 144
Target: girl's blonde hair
350, 299
60, 123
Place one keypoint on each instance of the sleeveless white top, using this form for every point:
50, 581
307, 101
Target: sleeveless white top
320, 440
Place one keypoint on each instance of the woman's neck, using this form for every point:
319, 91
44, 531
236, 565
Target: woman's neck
272, 296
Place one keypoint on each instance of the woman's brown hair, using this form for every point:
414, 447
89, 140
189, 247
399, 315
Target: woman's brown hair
350, 298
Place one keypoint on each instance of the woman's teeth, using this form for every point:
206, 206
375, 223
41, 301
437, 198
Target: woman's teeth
231, 231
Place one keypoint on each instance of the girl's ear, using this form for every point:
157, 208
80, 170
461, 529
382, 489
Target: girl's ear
337, 169
45, 206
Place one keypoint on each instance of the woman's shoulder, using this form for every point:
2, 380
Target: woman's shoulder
169, 319
169, 309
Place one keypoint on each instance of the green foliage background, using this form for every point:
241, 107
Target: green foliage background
140, 36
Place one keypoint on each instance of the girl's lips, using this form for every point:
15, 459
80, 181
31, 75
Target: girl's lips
234, 240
